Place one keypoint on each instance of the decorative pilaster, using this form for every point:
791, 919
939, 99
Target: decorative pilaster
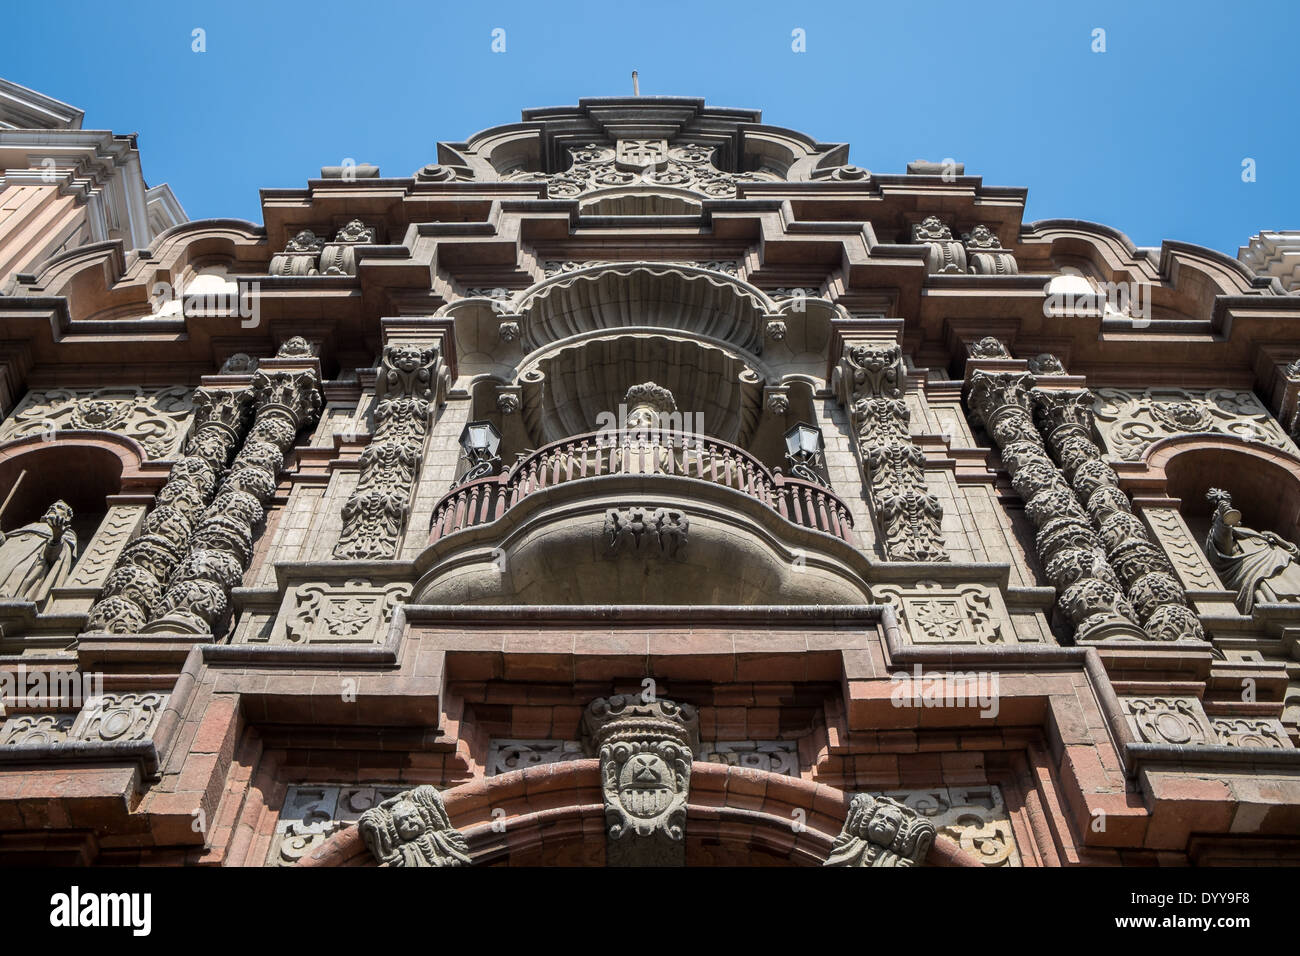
880, 831
1089, 594
1065, 418
197, 600
135, 585
645, 751
871, 378
375, 516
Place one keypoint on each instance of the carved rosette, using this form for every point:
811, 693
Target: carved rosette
375, 515
645, 751
1065, 418
880, 831
1089, 594
221, 547
137, 582
871, 380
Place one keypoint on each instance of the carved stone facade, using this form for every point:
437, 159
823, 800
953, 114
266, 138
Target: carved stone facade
585, 498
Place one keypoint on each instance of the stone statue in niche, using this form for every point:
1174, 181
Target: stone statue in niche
1260, 565
38, 556
413, 829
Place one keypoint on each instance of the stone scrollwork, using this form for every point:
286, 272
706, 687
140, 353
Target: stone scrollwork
961, 614
405, 391
354, 613
1131, 420
301, 256
155, 417
986, 255
1266, 732
413, 829
645, 751
974, 817
115, 717
144, 567
1169, 720
339, 258
871, 378
219, 551
880, 831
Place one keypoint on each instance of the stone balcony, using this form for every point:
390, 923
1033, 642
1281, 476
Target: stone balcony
627, 518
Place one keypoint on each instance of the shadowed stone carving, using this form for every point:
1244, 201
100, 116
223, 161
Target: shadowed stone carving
413, 829
643, 530
871, 380
1259, 565
986, 255
38, 556
645, 751
947, 254
880, 831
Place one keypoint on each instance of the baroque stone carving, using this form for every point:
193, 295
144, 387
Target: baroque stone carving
196, 601
947, 254
119, 717
1266, 732
871, 378
642, 163
339, 258
1169, 720
239, 364
1065, 417
155, 417
988, 347
975, 817
880, 831
986, 255
413, 829
312, 814
375, 515
1131, 420
100, 555
771, 756
300, 257
38, 556
960, 614
1259, 565
1045, 363
661, 531
507, 755
1088, 592
354, 613
645, 751
35, 729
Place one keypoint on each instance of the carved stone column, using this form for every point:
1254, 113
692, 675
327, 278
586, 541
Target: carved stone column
645, 752
880, 831
376, 513
197, 600
135, 585
1089, 594
1065, 418
870, 378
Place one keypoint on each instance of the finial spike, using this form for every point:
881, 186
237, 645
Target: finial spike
636, 86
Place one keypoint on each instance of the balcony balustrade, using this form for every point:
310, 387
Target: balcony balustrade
680, 455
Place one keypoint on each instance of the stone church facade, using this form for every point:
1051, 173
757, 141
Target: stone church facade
642, 484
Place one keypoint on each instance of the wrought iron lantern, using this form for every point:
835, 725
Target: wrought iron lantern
479, 442
803, 450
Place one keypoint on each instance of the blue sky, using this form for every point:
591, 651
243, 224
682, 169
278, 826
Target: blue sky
1149, 136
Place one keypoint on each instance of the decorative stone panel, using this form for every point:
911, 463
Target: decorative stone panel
355, 613
933, 613
97, 559
119, 717
507, 755
1186, 556
312, 814
1265, 732
648, 531
155, 417
38, 729
1131, 420
975, 818
773, 756
1169, 720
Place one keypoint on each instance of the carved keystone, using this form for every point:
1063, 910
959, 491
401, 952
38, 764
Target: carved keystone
645, 751
880, 831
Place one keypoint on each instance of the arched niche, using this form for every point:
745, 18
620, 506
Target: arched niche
1264, 482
